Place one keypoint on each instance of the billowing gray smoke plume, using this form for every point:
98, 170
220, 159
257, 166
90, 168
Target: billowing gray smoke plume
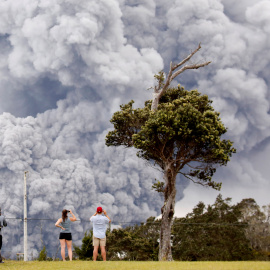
67, 65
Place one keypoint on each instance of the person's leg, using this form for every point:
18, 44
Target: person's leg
95, 245
0, 247
63, 247
69, 247
103, 248
103, 253
95, 253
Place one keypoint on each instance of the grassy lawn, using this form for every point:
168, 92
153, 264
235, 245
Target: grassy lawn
35, 265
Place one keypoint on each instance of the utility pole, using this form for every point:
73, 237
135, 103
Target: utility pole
25, 219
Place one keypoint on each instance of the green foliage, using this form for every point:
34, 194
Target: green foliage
86, 250
158, 186
212, 233
137, 243
43, 254
258, 229
217, 232
185, 131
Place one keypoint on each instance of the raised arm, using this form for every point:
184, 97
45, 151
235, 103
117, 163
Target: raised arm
73, 218
93, 216
105, 213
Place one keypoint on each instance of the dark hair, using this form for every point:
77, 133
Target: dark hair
64, 215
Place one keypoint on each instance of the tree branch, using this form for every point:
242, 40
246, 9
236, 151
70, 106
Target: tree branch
194, 66
195, 182
187, 58
161, 88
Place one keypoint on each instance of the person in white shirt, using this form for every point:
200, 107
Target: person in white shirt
99, 232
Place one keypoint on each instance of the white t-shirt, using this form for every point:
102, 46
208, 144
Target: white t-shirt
99, 226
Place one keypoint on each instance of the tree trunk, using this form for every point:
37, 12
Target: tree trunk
156, 97
165, 251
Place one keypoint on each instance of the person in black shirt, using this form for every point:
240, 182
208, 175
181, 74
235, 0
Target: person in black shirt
3, 223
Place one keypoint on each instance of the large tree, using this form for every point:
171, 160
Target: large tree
180, 133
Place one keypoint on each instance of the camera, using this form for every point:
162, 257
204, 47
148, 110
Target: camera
68, 211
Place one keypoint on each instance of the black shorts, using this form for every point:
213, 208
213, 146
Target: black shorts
66, 236
0, 241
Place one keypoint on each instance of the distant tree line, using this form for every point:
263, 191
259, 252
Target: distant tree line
218, 232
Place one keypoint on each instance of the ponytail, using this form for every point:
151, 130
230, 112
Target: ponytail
64, 215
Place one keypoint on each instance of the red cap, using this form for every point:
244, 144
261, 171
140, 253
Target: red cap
99, 209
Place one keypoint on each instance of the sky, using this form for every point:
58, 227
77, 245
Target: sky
67, 65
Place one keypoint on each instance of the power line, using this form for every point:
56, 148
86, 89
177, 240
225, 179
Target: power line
144, 223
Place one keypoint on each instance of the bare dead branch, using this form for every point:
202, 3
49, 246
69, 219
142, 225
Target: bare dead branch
194, 66
187, 58
161, 88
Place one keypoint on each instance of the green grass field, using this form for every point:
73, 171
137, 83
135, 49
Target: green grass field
36, 265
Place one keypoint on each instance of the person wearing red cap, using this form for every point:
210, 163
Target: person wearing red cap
99, 232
